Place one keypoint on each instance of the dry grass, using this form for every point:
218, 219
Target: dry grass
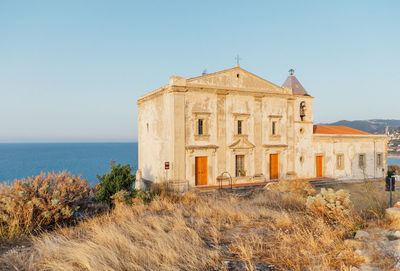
196, 233
298, 186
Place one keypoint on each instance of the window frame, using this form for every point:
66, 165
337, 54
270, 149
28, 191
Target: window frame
379, 161
200, 126
340, 161
239, 167
273, 128
302, 110
206, 118
361, 165
239, 127
243, 117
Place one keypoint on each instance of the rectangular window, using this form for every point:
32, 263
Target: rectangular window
200, 127
379, 159
239, 161
339, 161
361, 160
239, 126
273, 128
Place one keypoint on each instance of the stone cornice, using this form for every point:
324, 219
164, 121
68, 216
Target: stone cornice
201, 147
256, 93
275, 116
304, 121
226, 91
153, 94
275, 146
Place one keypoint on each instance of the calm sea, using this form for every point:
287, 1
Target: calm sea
393, 161
86, 159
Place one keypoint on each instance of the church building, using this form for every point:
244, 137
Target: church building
234, 123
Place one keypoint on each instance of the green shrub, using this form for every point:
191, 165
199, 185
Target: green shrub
127, 197
38, 203
119, 178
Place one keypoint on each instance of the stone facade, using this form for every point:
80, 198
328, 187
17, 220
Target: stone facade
254, 130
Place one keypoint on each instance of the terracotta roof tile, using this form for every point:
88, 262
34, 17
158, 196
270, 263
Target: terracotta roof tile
339, 130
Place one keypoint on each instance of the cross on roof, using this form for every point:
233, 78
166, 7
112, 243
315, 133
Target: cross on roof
237, 60
291, 71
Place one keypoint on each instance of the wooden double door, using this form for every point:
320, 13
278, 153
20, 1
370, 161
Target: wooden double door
201, 172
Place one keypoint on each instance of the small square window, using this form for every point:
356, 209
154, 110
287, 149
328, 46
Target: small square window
200, 127
239, 127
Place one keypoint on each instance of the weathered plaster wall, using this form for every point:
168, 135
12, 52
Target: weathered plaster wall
203, 106
304, 154
155, 131
274, 109
351, 147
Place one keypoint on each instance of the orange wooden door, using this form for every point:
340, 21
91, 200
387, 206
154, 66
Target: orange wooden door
319, 160
274, 166
201, 170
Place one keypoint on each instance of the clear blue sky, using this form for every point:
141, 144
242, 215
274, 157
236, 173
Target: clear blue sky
73, 70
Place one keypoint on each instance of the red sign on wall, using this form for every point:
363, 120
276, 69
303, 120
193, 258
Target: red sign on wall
166, 165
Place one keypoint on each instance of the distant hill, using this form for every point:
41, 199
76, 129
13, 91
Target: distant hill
374, 126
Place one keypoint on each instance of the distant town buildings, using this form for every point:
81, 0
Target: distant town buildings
394, 141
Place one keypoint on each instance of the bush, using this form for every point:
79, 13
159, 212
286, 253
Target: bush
331, 205
119, 178
37, 203
127, 197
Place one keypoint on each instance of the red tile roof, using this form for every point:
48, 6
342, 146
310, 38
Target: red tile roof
338, 130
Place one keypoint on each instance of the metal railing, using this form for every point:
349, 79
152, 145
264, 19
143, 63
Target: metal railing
222, 179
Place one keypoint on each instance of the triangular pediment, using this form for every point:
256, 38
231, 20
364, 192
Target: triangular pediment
242, 143
235, 78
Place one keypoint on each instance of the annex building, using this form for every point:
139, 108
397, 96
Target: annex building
236, 122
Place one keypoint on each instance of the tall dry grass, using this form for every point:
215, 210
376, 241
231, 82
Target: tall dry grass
196, 232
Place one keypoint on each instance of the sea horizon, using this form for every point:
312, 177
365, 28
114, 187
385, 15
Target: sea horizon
22, 160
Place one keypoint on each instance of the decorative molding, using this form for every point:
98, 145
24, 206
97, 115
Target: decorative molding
201, 137
201, 147
242, 143
304, 121
275, 116
275, 145
244, 115
201, 113
275, 137
236, 136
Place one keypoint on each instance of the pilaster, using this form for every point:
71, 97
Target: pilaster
179, 136
258, 135
221, 133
